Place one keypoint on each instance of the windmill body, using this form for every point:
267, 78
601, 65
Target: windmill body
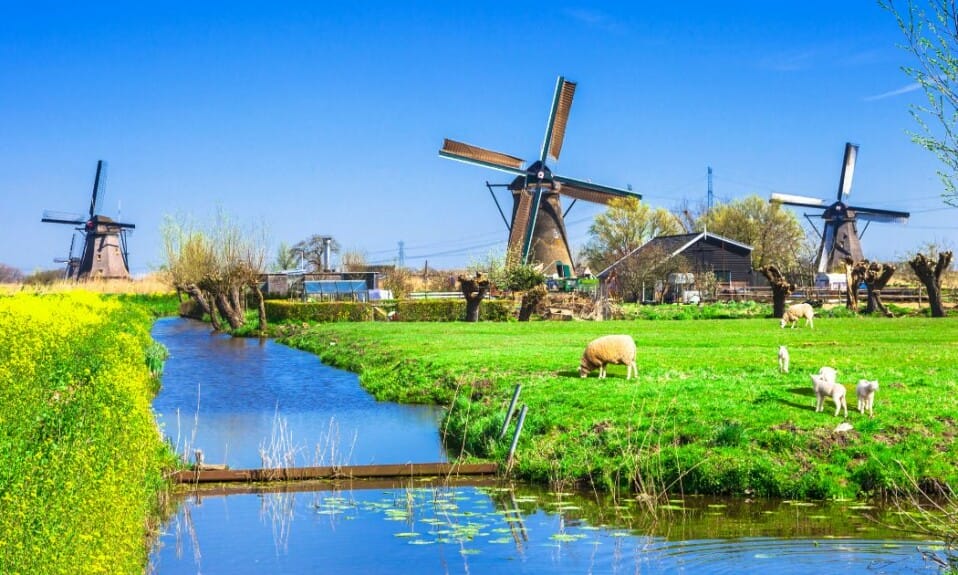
537, 231
104, 254
839, 234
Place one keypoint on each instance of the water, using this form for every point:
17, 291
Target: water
231, 397
240, 385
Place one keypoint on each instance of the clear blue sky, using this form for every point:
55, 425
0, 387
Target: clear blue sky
327, 117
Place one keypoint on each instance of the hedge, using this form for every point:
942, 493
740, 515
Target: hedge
405, 310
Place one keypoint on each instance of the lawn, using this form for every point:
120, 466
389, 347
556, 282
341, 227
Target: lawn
708, 413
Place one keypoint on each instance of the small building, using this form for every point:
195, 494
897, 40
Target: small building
728, 260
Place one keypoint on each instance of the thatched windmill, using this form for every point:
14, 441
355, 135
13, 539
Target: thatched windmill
104, 246
537, 231
840, 237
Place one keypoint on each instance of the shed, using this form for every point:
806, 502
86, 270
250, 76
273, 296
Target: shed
729, 260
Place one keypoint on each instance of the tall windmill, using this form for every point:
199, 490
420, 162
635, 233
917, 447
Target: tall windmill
839, 232
104, 246
537, 230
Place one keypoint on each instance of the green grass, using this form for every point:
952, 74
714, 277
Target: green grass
709, 412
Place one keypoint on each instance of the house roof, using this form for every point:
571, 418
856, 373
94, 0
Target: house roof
674, 245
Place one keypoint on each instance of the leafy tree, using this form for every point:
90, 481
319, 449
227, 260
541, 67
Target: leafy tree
354, 260
625, 225
775, 234
216, 267
931, 36
313, 251
287, 258
9, 274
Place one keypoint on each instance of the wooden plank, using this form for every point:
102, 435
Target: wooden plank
338, 472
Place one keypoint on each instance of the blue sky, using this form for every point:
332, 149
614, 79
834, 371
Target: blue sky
327, 117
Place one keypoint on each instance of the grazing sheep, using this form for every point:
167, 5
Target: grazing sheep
617, 349
783, 359
865, 392
796, 312
824, 388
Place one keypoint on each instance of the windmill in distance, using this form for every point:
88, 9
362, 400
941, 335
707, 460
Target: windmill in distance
537, 231
840, 237
104, 253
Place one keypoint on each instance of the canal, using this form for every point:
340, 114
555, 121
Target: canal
244, 402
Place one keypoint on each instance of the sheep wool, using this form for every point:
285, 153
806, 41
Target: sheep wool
615, 349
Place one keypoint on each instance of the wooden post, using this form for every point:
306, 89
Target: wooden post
512, 408
515, 438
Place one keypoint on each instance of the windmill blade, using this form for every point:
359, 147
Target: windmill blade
520, 222
96, 188
793, 200
61, 218
848, 171
876, 215
558, 117
481, 157
588, 191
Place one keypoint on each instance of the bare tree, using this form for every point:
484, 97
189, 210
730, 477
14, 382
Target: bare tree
9, 274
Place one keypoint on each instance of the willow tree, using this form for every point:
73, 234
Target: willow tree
216, 266
929, 271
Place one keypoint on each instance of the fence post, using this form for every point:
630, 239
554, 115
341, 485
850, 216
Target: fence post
512, 408
515, 438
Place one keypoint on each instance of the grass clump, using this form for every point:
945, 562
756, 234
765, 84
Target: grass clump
709, 412
80, 456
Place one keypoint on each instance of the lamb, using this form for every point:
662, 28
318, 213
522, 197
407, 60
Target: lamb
783, 359
865, 392
824, 388
829, 374
796, 312
617, 349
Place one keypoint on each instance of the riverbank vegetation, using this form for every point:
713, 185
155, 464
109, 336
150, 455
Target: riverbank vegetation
80, 457
709, 413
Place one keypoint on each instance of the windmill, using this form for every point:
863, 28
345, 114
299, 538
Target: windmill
537, 230
104, 247
840, 238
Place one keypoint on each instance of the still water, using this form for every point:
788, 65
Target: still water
249, 392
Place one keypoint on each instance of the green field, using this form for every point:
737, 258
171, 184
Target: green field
709, 413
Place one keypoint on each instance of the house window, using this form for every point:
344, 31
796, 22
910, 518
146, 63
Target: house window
723, 275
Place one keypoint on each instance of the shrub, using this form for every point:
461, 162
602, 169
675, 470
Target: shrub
286, 311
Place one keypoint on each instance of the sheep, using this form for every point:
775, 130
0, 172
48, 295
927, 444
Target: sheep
824, 388
783, 359
865, 392
617, 349
796, 312
829, 374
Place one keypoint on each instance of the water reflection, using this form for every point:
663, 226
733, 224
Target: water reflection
521, 530
232, 397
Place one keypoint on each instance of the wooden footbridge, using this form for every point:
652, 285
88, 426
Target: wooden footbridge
399, 471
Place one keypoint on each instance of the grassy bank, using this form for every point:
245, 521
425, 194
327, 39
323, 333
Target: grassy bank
709, 413
80, 456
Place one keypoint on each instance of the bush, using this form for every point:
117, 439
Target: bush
287, 311
81, 462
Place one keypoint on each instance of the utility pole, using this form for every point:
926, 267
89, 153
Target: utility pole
710, 192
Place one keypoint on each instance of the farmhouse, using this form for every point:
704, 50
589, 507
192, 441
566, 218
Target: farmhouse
673, 268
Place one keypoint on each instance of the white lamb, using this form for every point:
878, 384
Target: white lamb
783, 359
824, 388
616, 349
829, 374
865, 392
796, 312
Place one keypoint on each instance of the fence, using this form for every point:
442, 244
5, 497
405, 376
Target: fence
900, 295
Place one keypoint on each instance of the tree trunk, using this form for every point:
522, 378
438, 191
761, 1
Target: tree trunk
781, 288
474, 290
202, 299
876, 277
232, 316
853, 279
261, 307
930, 276
530, 300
